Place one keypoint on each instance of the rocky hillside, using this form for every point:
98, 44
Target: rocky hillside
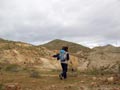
106, 58
25, 54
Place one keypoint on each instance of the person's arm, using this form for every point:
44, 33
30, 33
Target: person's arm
56, 56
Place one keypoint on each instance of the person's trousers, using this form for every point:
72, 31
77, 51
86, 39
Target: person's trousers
64, 70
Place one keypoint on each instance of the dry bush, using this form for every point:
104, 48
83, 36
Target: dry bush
34, 74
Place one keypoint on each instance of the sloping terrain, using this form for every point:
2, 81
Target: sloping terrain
105, 58
40, 70
73, 47
23, 54
27, 55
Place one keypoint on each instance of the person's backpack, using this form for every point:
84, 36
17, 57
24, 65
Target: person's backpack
63, 55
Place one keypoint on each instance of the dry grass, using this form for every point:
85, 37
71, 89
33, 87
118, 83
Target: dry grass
50, 81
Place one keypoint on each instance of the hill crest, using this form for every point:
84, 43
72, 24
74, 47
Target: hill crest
73, 47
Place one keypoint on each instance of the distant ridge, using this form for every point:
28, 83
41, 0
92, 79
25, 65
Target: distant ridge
73, 47
3, 40
108, 48
15, 42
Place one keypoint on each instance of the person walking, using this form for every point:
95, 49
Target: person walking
63, 56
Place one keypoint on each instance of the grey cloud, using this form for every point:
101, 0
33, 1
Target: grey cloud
89, 22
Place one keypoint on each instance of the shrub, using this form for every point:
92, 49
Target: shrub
13, 68
99, 71
93, 71
34, 74
1, 86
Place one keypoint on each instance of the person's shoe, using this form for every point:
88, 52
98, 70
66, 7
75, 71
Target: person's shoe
60, 76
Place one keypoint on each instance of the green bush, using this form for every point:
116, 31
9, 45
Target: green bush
13, 68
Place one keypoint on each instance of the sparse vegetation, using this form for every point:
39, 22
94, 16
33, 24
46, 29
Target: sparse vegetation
98, 71
30, 57
34, 74
13, 68
1, 86
50, 81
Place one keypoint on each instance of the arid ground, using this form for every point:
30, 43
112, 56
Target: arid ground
49, 80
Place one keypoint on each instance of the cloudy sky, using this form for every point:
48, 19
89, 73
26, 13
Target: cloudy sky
88, 22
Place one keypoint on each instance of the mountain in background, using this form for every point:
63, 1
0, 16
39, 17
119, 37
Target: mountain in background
82, 58
73, 47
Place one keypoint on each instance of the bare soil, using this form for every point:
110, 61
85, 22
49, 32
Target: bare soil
49, 80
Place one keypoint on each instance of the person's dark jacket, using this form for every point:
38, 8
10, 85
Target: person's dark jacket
56, 56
